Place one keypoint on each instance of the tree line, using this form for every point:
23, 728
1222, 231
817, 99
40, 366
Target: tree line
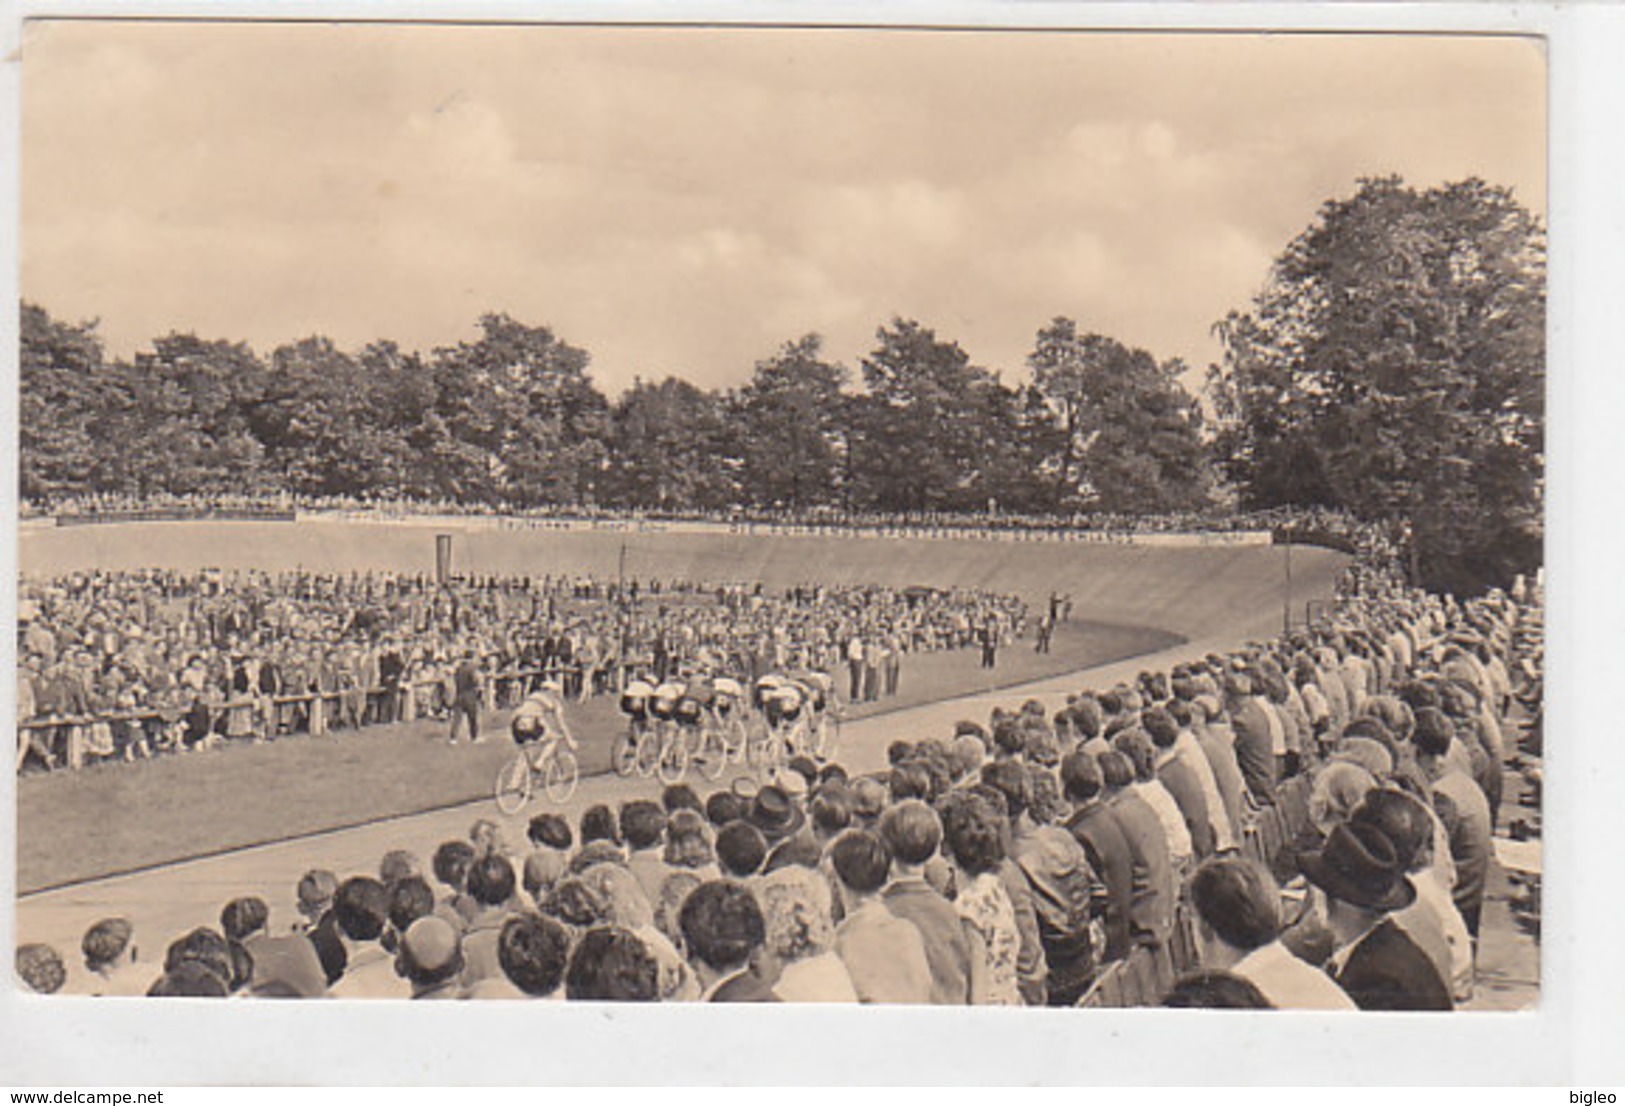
1392, 366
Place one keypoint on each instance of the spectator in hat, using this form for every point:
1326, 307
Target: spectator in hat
40, 968
1432, 919
110, 959
431, 959
1110, 858
1238, 911
723, 933
533, 952
774, 813
800, 937
912, 833
1374, 960
974, 842
362, 911
884, 955
1462, 808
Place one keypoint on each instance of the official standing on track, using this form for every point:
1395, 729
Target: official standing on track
466, 703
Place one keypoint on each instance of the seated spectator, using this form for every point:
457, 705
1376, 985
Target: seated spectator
975, 844
188, 979
912, 833
1096, 829
800, 938
431, 959
1134, 744
884, 955
1238, 911
1151, 914
110, 959
1463, 809
533, 952
723, 931
1182, 779
741, 850
362, 911
611, 964
1215, 989
41, 970
409, 899
207, 948
1374, 960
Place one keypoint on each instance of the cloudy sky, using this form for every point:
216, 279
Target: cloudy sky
684, 201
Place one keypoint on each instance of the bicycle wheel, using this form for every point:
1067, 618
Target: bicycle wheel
561, 776
736, 740
829, 736
514, 784
623, 755
673, 761
650, 747
712, 759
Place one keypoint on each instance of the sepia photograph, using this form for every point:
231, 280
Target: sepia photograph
913, 516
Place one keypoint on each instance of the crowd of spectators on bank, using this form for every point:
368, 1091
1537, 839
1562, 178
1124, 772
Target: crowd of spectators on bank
124, 665
1030, 858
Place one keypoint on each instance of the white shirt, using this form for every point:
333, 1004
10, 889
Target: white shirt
1289, 983
1189, 751
1157, 797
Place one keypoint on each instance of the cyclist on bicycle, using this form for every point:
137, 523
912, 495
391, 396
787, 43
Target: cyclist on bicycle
538, 721
635, 700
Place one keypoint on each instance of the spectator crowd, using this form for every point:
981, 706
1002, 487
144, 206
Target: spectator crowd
124, 665
1304, 823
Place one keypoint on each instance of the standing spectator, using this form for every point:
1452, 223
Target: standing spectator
854, 664
723, 931
894, 664
873, 659
465, 704
362, 911
912, 833
110, 959
884, 955
1462, 808
975, 845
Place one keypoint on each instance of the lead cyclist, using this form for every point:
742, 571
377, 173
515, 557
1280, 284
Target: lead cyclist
538, 721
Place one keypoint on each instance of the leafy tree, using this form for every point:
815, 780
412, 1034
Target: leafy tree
60, 384
791, 419
1394, 365
670, 448
1130, 433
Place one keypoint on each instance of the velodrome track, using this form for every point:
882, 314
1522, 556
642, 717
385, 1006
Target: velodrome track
1215, 596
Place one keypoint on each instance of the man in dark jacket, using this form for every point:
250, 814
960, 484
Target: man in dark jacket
1255, 752
1098, 831
1151, 907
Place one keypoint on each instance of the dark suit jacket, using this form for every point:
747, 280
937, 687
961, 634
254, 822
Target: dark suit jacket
947, 948
1102, 839
1183, 784
1389, 971
1255, 754
1151, 901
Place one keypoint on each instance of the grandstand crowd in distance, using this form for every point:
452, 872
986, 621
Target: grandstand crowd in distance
1312, 821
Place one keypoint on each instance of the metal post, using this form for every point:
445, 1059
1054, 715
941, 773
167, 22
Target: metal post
1286, 607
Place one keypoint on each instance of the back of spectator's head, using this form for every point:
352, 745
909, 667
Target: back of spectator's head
741, 849
1238, 900
188, 979
486, 836
1009, 738
1434, 732
677, 796
491, 880
911, 831
725, 806
1182, 712
398, 864
409, 899
831, 810
550, 831
596, 852
1080, 776
1136, 746
612, 964
598, 824
722, 924
860, 861
1116, 770
361, 908
798, 851
543, 868
674, 891
899, 751
105, 942
431, 952
1010, 779
1087, 717
532, 951
1403, 819
965, 756
832, 773
1160, 725
911, 780
1368, 753
869, 798
1045, 804
1216, 990
797, 913
1184, 688
242, 918
202, 946
315, 893
688, 841
1418, 695
1111, 702
451, 862
971, 833
41, 969
643, 823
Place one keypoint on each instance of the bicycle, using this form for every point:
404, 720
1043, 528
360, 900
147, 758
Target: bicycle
554, 764
663, 751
